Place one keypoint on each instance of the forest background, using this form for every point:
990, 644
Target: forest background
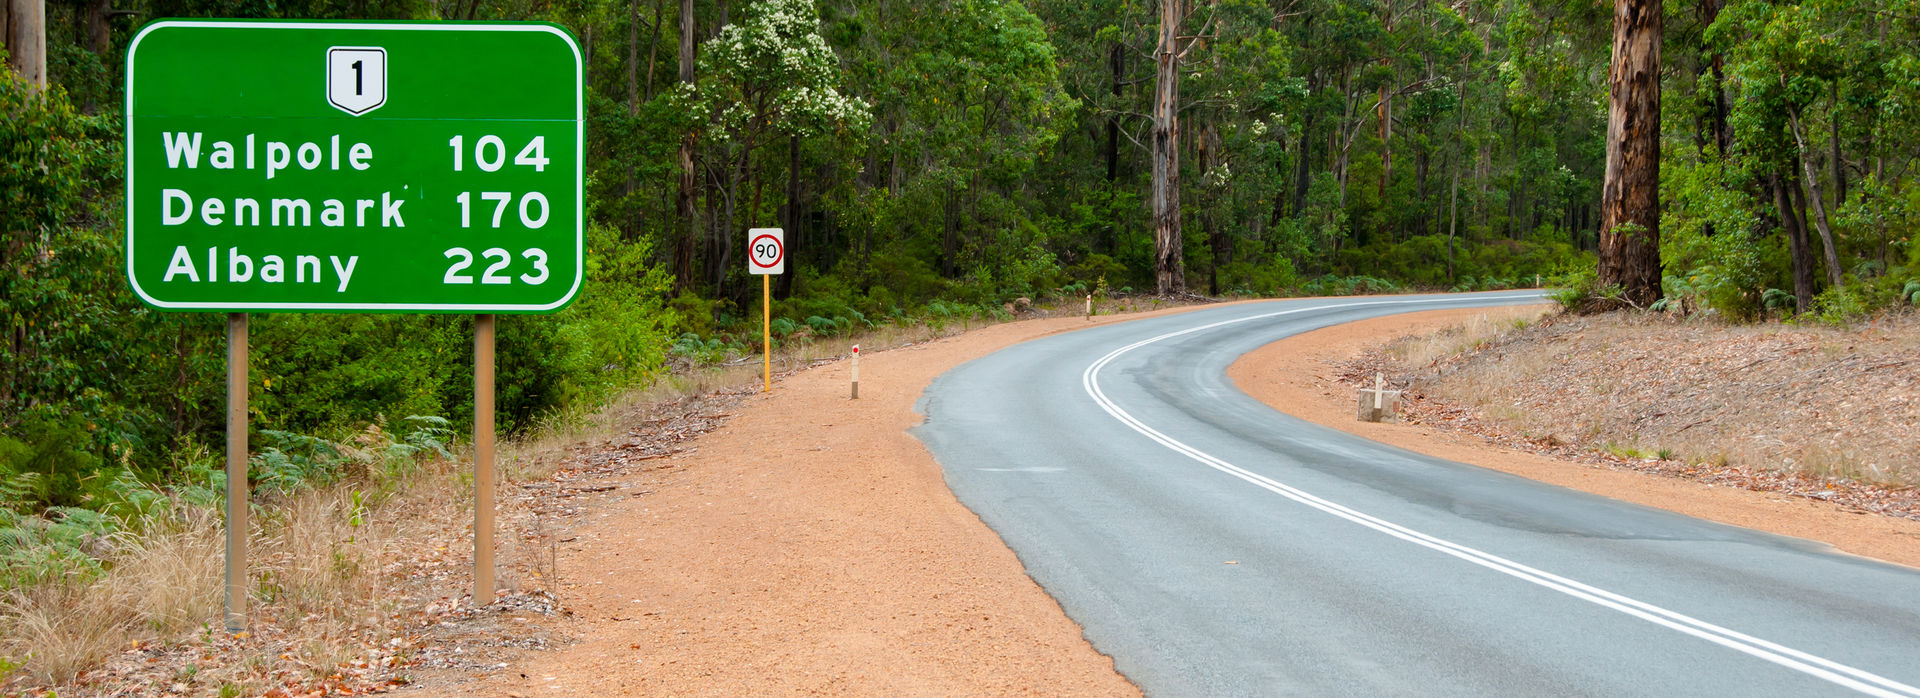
935, 160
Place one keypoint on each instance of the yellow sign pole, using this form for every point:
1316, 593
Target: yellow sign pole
766, 330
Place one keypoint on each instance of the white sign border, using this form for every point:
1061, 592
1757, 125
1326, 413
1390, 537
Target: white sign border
753, 267
579, 172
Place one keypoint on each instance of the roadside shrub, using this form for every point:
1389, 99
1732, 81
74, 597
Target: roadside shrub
48, 464
1838, 306
1265, 280
1095, 270
1331, 285
1583, 294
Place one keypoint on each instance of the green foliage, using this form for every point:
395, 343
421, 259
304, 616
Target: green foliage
42, 543
712, 351
1331, 285
1777, 300
61, 544
1250, 279
1705, 233
46, 463
1837, 306
1582, 292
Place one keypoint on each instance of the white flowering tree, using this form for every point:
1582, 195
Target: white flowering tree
768, 77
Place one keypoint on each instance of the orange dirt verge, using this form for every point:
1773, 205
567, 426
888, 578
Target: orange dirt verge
1297, 376
810, 546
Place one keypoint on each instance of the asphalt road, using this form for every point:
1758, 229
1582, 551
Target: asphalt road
1215, 547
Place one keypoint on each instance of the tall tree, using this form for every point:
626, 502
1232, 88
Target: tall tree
1630, 199
26, 37
1170, 51
689, 217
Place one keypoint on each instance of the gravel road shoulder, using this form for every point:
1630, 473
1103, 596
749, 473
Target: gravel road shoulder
809, 546
1300, 376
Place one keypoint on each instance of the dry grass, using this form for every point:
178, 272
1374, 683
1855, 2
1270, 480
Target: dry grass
1472, 335
163, 583
316, 582
1823, 402
337, 570
329, 566
600, 422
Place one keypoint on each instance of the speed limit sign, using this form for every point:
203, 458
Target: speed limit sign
766, 251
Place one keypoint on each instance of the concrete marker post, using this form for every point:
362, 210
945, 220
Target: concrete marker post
1089, 307
856, 371
483, 489
236, 472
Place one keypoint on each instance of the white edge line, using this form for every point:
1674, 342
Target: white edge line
579, 170
1819, 667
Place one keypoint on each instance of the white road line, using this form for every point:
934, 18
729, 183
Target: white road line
1826, 669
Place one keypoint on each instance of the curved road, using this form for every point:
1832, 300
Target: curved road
1216, 547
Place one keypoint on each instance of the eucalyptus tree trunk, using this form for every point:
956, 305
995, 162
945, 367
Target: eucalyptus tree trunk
1819, 205
633, 66
26, 35
1839, 158
1169, 269
633, 108
795, 223
1117, 63
99, 41
1217, 241
689, 217
1630, 200
653, 50
1784, 191
1383, 111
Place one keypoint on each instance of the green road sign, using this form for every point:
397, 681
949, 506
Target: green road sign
383, 167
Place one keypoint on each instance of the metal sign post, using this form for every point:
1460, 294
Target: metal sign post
395, 167
237, 496
766, 256
483, 489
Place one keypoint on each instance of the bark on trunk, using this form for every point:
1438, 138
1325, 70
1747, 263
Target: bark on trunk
99, 40
1453, 191
1169, 269
633, 108
1453, 218
1117, 63
633, 66
1384, 112
1217, 241
27, 40
1802, 260
1630, 202
1819, 206
1839, 161
794, 225
653, 49
1302, 172
689, 216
